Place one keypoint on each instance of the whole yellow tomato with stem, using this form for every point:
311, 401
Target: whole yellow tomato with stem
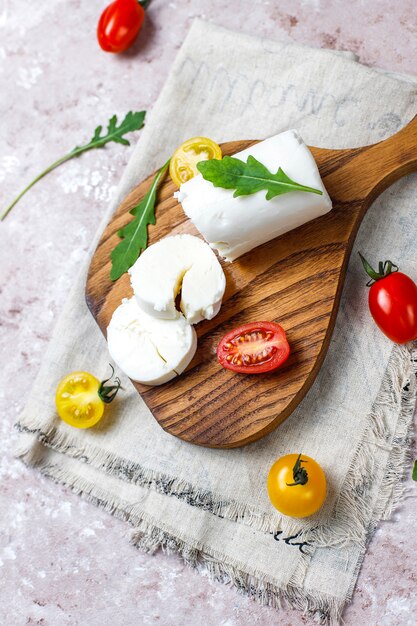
296, 485
183, 164
80, 398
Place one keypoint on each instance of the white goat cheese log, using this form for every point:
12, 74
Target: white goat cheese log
234, 226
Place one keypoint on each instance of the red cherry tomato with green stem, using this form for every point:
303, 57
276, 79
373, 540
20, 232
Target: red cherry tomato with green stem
120, 24
392, 301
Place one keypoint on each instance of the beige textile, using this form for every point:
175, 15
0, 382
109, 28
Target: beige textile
211, 506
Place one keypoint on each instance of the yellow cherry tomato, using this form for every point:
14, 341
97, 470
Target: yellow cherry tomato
80, 398
296, 485
183, 165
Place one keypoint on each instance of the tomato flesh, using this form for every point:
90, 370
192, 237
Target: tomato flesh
254, 348
183, 164
393, 305
119, 25
77, 400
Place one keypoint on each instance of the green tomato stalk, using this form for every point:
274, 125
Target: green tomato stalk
299, 473
107, 393
384, 269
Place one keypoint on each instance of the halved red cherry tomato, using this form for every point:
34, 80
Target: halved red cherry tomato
254, 348
119, 25
393, 301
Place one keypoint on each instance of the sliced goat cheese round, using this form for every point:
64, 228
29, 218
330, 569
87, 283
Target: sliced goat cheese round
181, 263
149, 350
234, 226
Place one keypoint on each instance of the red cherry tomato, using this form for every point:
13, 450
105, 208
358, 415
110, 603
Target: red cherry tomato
119, 25
254, 348
393, 302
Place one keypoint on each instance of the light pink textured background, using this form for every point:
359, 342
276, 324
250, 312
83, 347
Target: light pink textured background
62, 561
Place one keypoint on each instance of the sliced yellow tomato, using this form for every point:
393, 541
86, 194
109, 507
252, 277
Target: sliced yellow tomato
183, 165
296, 485
80, 398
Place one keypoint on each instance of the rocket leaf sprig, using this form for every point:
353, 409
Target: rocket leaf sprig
135, 234
250, 177
115, 133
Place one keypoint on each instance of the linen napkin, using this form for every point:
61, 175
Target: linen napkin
210, 505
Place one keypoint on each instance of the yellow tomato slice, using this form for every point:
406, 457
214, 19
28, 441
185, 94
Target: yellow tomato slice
183, 165
296, 500
77, 400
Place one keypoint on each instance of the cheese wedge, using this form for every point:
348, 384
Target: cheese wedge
179, 263
234, 226
149, 350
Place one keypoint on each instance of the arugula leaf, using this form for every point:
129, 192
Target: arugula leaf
250, 177
414, 474
131, 122
135, 234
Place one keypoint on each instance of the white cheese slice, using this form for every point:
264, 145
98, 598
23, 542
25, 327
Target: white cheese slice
179, 263
234, 226
149, 350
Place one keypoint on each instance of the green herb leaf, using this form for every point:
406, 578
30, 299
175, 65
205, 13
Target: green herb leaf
115, 133
135, 234
250, 177
414, 474
131, 122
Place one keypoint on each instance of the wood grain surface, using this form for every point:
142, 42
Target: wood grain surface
295, 280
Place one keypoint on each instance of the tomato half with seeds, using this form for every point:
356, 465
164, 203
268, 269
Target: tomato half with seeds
183, 164
254, 348
80, 398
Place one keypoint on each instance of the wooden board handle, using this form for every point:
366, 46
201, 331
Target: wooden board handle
364, 173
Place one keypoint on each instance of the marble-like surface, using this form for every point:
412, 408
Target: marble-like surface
62, 561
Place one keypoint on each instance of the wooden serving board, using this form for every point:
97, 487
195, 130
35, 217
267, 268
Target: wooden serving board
295, 280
